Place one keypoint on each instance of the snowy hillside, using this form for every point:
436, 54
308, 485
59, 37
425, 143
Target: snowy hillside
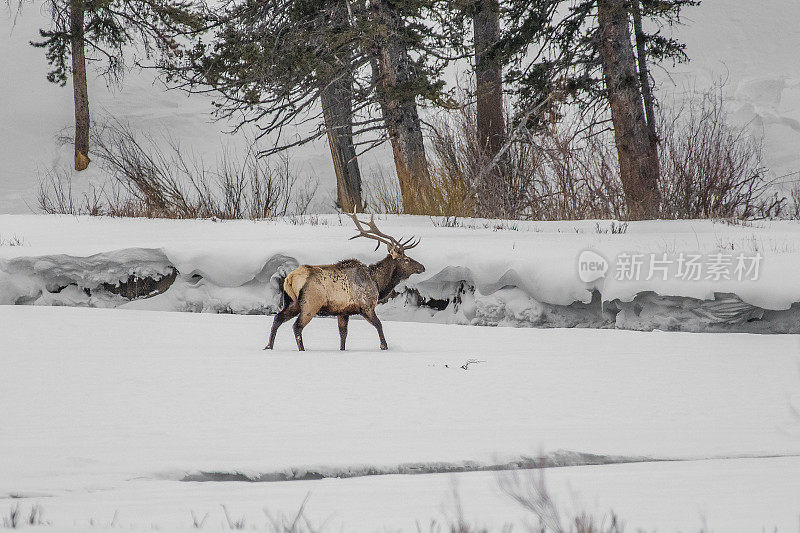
743, 278
751, 47
750, 44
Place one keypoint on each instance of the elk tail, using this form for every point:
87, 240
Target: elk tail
283, 293
291, 285
284, 297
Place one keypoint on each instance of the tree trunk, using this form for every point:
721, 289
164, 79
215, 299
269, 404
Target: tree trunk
336, 97
644, 75
80, 91
337, 110
399, 108
488, 77
638, 160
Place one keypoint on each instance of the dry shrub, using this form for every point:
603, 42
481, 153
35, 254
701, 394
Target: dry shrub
574, 177
451, 195
710, 168
55, 196
382, 193
456, 154
15, 518
148, 180
553, 175
530, 492
456, 190
794, 205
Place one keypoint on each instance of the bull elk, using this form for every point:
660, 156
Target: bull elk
347, 288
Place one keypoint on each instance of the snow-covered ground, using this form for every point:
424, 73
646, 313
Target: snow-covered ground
105, 411
727, 495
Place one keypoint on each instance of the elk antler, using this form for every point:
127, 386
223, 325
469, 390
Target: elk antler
406, 246
374, 233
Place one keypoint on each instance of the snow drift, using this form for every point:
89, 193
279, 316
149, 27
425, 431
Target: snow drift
478, 272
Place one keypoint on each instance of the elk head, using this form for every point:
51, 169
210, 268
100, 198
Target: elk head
404, 265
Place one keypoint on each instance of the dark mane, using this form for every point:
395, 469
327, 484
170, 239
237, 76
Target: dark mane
349, 263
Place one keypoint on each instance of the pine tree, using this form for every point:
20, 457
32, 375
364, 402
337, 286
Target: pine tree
488, 76
271, 63
336, 99
637, 155
106, 28
396, 74
585, 55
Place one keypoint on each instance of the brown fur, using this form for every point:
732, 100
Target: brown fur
346, 288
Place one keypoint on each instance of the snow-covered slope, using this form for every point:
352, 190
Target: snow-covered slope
753, 45
481, 272
34, 113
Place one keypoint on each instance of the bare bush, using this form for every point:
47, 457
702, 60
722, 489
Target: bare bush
198, 523
15, 518
474, 184
575, 177
554, 175
14, 240
234, 523
710, 168
382, 193
450, 195
297, 523
173, 184
55, 196
148, 180
794, 206
459, 187
456, 155
530, 492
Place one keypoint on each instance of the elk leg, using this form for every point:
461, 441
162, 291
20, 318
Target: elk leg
343, 321
307, 312
291, 310
372, 318
301, 322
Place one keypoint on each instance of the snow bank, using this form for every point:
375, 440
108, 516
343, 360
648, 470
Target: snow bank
477, 272
557, 459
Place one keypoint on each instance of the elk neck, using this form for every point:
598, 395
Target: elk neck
386, 275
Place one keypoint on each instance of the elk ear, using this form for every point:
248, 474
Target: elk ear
395, 253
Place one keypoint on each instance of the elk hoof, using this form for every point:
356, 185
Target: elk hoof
268, 347
384, 347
